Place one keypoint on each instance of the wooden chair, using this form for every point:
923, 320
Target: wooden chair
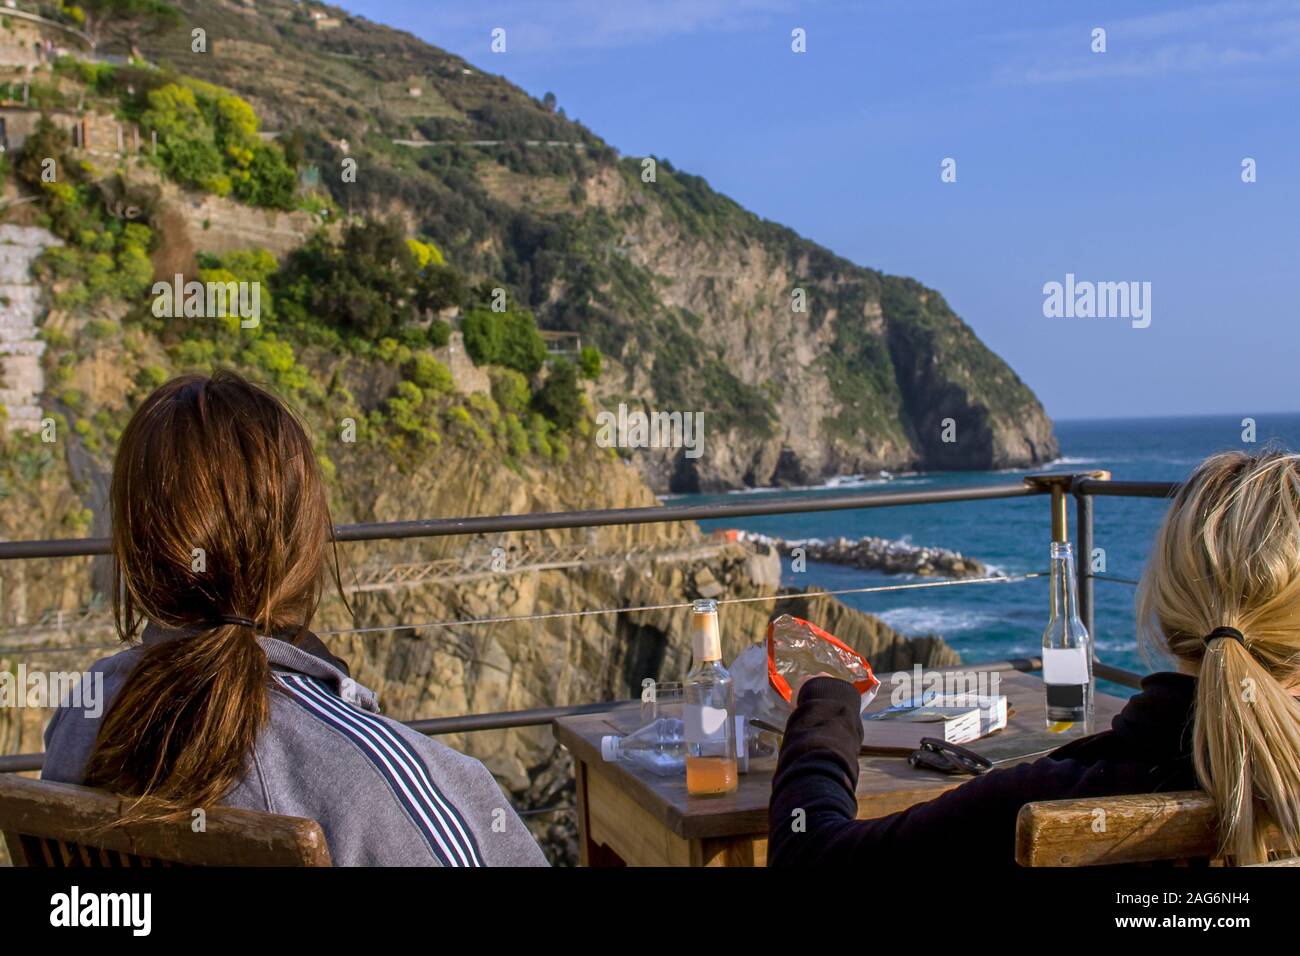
48, 824
1143, 828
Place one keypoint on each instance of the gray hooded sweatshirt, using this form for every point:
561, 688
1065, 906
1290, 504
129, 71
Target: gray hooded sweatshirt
383, 794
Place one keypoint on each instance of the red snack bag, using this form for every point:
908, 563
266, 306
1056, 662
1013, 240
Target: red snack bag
797, 648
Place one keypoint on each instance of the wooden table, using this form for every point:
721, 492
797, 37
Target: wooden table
627, 816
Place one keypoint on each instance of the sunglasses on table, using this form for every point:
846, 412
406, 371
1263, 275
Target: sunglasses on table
948, 758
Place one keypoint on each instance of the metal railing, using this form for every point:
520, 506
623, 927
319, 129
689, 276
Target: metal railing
1082, 487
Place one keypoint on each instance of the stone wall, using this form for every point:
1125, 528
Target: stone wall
21, 377
28, 40
218, 226
97, 133
465, 375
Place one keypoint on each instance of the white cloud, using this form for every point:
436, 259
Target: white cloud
537, 28
1198, 39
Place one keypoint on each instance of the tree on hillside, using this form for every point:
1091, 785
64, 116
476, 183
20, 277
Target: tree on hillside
128, 22
560, 398
368, 282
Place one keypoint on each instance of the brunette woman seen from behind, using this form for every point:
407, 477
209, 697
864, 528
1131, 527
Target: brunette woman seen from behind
221, 538
1220, 598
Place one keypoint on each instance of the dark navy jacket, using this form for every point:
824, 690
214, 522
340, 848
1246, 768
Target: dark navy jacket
1147, 749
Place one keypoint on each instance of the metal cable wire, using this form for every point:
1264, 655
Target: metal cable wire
1114, 580
554, 615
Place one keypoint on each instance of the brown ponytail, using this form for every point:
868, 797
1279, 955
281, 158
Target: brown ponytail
179, 731
219, 521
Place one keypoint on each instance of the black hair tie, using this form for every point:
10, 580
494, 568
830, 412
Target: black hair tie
236, 621
1225, 631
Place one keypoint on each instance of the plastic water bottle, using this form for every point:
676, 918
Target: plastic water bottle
659, 747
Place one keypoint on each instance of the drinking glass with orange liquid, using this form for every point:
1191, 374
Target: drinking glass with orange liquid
708, 710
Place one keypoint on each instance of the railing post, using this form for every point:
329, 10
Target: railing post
1083, 570
1083, 518
1057, 485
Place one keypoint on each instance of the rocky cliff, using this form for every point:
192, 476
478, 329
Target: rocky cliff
804, 364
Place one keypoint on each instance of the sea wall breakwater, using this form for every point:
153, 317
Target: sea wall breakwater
876, 554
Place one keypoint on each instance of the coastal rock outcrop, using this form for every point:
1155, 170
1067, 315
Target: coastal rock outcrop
877, 554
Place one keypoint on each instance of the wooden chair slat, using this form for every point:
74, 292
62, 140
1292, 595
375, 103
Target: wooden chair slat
1141, 828
17, 848
62, 825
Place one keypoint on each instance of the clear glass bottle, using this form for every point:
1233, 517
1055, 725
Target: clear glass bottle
1067, 651
708, 710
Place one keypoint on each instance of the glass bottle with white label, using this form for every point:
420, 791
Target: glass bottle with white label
1067, 652
708, 708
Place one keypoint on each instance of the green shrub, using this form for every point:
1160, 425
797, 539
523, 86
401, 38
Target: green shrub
360, 284
516, 436
392, 352
269, 182
589, 362
195, 163
560, 399
97, 329
208, 139
509, 389
428, 373
437, 287
439, 333
504, 338
461, 423
55, 338
486, 408
150, 377
539, 435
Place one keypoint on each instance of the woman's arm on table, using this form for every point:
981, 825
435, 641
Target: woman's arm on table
812, 815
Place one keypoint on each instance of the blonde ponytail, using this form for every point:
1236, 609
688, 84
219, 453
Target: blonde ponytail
1226, 566
1246, 744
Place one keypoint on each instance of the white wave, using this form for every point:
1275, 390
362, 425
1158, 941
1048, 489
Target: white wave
914, 621
843, 481
1065, 461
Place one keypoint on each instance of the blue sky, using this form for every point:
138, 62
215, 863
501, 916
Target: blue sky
1123, 166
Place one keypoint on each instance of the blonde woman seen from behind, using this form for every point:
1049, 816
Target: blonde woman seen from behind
1221, 594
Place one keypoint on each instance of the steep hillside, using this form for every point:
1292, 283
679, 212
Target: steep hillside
692, 299
377, 322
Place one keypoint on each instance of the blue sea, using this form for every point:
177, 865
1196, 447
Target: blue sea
990, 622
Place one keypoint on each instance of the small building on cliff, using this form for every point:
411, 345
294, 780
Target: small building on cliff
29, 40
